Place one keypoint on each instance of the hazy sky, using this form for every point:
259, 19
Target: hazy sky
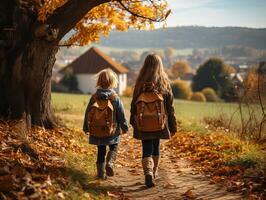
245, 13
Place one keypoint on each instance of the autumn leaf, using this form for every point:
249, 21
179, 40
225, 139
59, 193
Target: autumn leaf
189, 194
119, 15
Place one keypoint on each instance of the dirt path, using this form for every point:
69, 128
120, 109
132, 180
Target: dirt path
177, 180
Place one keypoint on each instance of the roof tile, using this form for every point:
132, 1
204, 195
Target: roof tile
93, 61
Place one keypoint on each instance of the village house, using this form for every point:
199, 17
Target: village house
89, 64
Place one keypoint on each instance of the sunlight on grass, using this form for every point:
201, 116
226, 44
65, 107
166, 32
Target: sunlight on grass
71, 107
243, 153
250, 154
69, 103
193, 126
81, 171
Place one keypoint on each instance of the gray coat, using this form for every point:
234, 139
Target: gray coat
170, 126
119, 118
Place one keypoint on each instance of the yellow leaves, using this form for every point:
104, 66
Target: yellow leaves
30, 167
49, 7
102, 19
210, 154
130, 152
201, 148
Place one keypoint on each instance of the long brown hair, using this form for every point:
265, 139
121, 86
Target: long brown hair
153, 72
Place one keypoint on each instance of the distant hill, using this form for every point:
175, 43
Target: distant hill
188, 37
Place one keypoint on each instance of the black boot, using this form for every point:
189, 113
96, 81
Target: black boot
101, 171
111, 157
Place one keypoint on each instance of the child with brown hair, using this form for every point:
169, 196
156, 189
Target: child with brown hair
104, 119
152, 113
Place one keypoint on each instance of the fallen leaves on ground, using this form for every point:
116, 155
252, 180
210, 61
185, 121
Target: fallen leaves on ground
209, 154
189, 194
129, 152
32, 161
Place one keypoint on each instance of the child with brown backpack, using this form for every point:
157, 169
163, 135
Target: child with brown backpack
152, 114
104, 119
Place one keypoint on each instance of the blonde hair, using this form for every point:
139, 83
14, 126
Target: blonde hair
107, 79
153, 72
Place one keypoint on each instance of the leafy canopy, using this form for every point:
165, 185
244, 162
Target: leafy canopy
115, 14
180, 68
214, 73
181, 90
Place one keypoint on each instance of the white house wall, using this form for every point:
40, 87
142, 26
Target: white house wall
87, 83
122, 83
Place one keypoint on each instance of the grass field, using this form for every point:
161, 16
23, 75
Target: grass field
71, 108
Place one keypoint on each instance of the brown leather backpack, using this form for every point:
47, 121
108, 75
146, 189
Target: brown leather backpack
150, 115
101, 117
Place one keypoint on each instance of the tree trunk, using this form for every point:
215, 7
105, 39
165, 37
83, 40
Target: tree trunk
25, 69
26, 85
27, 56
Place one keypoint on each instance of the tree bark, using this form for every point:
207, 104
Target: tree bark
27, 56
26, 68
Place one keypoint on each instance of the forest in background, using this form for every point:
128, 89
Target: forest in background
183, 37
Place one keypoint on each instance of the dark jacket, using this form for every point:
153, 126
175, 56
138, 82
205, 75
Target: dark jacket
170, 127
119, 118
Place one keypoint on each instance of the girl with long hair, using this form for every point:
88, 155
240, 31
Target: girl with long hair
151, 107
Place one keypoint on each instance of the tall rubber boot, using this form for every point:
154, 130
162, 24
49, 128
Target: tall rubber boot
111, 157
156, 161
101, 171
147, 164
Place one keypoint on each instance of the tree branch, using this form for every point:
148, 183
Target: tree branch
138, 15
262, 64
67, 16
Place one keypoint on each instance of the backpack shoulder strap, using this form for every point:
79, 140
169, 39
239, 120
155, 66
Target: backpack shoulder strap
112, 97
95, 97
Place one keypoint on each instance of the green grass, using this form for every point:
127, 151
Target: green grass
71, 107
80, 170
189, 110
192, 126
197, 111
248, 156
69, 103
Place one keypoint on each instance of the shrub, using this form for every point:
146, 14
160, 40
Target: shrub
210, 94
128, 92
70, 82
57, 87
215, 73
181, 90
198, 96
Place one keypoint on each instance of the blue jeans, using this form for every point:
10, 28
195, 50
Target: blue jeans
150, 148
102, 152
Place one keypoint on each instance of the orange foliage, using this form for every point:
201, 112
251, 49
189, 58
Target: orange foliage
251, 85
112, 15
32, 161
209, 155
180, 68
